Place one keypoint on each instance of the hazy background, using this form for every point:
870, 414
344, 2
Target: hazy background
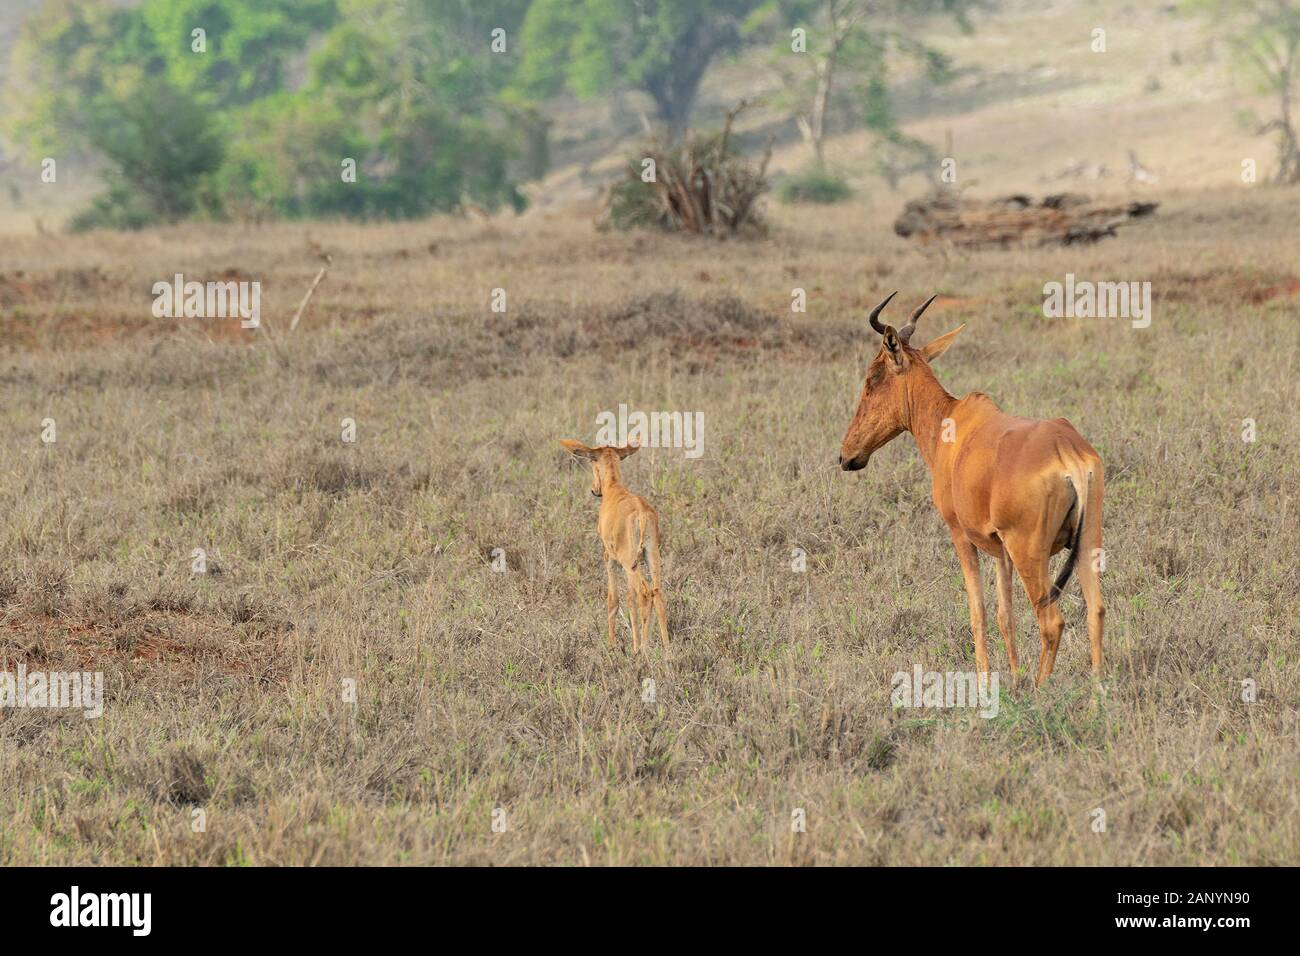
145, 130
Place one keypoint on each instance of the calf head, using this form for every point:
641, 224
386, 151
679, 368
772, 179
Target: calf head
604, 462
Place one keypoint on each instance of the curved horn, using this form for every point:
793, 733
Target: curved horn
872, 318
905, 333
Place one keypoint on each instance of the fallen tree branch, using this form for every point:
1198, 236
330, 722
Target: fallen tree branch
307, 298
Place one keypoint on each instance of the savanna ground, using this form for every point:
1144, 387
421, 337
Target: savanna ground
371, 562
476, 689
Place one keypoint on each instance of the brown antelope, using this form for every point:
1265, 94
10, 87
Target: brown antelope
629, 529
1016, 488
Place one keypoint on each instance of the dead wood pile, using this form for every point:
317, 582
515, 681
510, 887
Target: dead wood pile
1060, 219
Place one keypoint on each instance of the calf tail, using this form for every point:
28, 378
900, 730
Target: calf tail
650, 549
1079, 507
641, 552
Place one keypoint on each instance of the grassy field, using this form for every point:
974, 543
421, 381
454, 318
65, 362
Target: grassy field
371, 562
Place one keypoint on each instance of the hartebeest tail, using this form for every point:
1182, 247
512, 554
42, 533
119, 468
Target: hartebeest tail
1004, 485
1080, 511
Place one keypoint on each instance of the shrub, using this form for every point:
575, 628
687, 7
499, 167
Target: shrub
700, 186
157, 144
815, 185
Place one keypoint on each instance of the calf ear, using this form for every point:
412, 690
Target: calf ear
940, 345
576, 448
627, 450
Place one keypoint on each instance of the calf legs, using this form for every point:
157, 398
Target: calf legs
641, 599
647, 599
662, 613
611, 600
633, 607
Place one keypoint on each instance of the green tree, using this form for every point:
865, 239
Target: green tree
1265, 39
249, 45
661, 47
413, 89
843, 49
257, 116
157, 145
72, 58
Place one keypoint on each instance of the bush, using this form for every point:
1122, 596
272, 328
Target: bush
158, 145
815, 185
118, 207
700, 186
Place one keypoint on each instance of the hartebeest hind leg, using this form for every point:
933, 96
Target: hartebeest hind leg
1031, 562
1089, 574
970, 571
1006, 617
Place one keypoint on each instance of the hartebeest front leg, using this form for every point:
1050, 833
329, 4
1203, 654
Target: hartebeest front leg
1006, 617
970, 570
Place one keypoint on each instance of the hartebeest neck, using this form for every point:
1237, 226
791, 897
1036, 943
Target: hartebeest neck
928, 406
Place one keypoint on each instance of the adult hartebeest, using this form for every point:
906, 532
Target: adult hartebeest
629, 529
1017, 488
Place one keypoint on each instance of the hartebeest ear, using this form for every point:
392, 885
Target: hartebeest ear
940, 345
576, 448
894, 347
626, 450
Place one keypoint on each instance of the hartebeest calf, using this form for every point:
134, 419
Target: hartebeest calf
629, 529
1016, 488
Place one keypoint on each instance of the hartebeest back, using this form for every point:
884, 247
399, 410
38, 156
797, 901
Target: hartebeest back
1016, 488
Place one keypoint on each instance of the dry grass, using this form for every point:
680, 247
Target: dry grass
371, 561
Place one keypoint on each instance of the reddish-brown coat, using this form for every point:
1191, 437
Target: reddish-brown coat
1015, 488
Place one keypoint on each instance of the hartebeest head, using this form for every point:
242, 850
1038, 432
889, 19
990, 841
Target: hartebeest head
885, 408
604, 462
